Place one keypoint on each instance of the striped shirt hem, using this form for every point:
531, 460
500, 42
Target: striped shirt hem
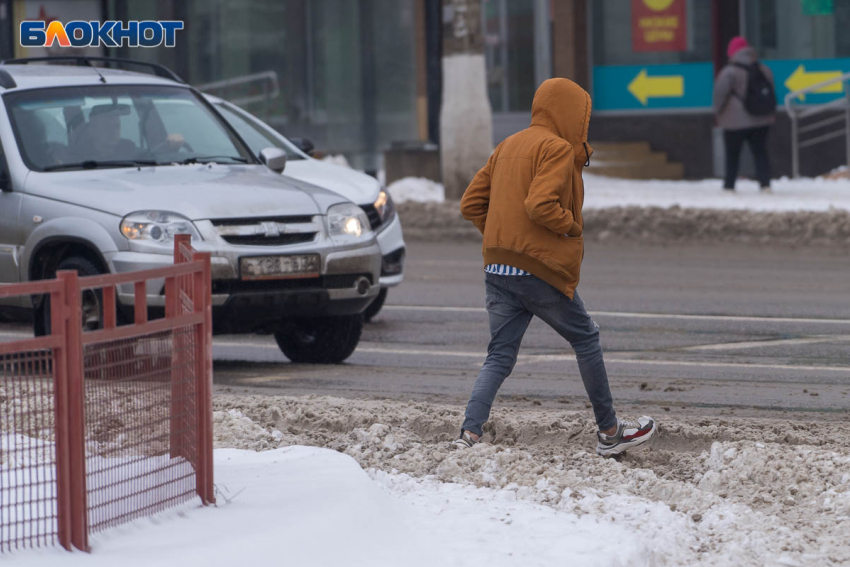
504, 270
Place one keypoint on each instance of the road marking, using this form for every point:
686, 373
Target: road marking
537, 358
770, 342
626, 314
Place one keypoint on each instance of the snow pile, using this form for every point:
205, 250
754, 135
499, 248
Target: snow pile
496, 528
293, 506
806, 194
775, 495
417, 190
799, 211
311, 506
724, 492
337, 159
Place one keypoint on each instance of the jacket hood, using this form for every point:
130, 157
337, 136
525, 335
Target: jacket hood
563, 107
744, 56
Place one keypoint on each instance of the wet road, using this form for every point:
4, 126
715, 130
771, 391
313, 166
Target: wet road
693, 330
686, 329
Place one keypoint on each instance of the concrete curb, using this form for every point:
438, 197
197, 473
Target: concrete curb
442, 221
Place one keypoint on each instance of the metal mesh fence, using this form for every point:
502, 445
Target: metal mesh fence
141, 425
99, 428
28, 515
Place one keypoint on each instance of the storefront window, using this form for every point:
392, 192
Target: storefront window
797, 29
346, 69
614, 24
509, 50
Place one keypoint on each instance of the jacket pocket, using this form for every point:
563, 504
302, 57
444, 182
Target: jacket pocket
567, 255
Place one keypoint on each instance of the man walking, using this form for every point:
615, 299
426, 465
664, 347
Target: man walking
527, 203
745, 107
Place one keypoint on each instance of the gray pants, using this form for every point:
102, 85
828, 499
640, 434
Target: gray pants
511, 303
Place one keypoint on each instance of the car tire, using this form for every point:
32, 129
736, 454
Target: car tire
92, 301
375, 307
322, 340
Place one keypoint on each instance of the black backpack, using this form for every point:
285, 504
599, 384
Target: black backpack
759, 100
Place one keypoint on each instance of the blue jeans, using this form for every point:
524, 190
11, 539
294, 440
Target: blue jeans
511, 303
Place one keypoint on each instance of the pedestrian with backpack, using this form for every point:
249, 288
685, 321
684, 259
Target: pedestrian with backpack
745, 107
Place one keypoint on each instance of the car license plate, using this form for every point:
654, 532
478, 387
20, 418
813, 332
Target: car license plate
280, 267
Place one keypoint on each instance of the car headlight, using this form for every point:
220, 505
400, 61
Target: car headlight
347, 222
385, 206
158, 226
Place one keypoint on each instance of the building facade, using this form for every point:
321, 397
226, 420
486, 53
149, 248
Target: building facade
355, 76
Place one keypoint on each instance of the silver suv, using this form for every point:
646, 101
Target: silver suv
101, 167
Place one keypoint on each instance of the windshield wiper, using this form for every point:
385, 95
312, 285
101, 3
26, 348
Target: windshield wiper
94, 164
206, 159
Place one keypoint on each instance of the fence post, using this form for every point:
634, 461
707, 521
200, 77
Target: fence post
73, 332
202, 302
58, 314
173, 307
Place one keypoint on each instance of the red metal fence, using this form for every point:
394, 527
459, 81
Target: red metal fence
98, 428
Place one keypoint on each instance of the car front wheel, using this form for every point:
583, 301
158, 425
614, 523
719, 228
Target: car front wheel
321, 340
91, 301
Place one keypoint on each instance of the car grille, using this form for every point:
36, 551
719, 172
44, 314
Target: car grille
260, 240
326, 282
269, 231
374, 216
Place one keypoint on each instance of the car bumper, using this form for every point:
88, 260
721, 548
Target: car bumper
348, 283
391, 240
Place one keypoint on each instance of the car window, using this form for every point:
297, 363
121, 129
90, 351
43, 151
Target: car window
257, 137
81, 126
183, 117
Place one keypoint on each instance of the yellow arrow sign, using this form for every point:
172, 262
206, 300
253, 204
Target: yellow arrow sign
800, 79
644, 87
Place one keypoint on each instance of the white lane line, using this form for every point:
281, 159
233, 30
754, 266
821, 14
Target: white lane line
630, 315
537, 358
770, 343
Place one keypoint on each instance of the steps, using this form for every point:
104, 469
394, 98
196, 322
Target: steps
633, 160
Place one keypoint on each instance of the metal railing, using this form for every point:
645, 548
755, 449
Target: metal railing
99, 428
823, 130
243, 91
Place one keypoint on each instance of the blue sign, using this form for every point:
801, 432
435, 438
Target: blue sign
647, 87
795, 74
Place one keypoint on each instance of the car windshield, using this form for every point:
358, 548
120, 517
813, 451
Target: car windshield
118, 126
256, 134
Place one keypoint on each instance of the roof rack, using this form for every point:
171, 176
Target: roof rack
86, 61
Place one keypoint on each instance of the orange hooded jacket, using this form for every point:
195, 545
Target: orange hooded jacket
527, 200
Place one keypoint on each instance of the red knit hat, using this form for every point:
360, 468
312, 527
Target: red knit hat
736, 44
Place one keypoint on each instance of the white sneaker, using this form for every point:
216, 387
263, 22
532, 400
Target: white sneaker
629, 434
465, 441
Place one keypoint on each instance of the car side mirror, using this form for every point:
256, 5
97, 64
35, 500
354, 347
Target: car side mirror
274, 158
5, 179
304, 145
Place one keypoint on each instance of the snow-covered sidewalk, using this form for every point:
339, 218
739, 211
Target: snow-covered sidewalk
385, 489
601, 192
806, 194
316, 507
